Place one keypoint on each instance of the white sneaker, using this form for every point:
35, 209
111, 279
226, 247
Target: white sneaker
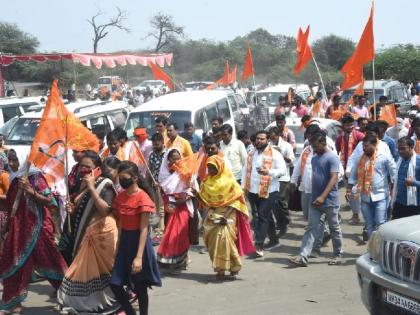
259, 253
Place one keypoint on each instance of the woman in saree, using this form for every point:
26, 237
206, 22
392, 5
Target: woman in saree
86, 284
173, 249
227, 234
28, 245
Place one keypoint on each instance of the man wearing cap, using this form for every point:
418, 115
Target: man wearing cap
145, 145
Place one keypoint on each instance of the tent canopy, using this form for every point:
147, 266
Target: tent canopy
109, 60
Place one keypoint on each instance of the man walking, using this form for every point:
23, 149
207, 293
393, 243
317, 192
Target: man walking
370, 178
325, 200
406, 196
234, 150
260, 177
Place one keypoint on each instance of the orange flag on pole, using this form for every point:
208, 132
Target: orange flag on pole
136, 156
303, 50
159, 74
57, 130
224, 80
364, 53
248, 70
232, 75
188, 166
389, 114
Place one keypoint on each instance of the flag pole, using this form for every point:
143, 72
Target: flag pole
66, 174
320, 77
373, 89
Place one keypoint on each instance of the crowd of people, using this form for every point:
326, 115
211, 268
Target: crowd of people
100, 250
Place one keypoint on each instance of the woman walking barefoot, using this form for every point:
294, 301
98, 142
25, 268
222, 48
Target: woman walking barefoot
135, 264
227, 233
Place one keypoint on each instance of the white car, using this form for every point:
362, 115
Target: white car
94, 115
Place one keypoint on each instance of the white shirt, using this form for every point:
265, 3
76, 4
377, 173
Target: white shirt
235, 152
306, 182
286, 149
358, 152
278, 169
414, 100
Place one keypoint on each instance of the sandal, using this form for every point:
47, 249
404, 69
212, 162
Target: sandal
336, 260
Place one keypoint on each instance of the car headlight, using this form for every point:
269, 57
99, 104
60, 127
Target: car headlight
374, 246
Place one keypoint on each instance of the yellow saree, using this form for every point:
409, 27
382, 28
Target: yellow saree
224, 200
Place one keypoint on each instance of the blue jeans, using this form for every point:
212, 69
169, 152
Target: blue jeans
375, 213
315, 229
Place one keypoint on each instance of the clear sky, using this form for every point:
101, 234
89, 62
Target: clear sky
60, 25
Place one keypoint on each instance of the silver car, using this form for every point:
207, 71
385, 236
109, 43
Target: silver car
389, 273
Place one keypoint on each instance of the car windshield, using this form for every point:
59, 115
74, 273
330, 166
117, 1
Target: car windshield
147, 120
272, 97
349, 93
23, 131
5, 129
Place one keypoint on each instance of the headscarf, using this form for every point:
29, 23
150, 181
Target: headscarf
222, 190
171, 183
141, 134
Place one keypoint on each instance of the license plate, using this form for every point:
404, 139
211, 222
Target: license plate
402, 301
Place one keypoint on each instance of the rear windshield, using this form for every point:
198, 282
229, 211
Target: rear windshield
147, 120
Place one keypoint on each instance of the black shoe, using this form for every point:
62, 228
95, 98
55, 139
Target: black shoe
365, 235
326, 239
282, 231
271, 244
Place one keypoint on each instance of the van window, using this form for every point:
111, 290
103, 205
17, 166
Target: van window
211, 112
241, 101
104, 81
397, 95
223, 108
200, 120
118, 118
10, 112
232, 102
99, 122
147, 120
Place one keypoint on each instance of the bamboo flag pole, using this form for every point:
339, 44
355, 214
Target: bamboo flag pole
66, 173
373, 89
320, 77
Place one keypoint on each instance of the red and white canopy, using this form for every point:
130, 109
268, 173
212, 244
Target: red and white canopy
109, 60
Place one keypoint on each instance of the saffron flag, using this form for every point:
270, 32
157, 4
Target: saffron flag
248, 70
303, 51
136, 156
224, 80
59, 128
364, 53
389, 114
232, 75
159, 74
188, 166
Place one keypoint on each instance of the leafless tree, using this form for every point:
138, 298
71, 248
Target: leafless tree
102, 30
164, 30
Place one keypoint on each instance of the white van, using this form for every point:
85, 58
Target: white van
16, 106
198, 107
94, 115
273, 93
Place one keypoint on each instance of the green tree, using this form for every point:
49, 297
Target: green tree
401, 63
15, 41
332, 51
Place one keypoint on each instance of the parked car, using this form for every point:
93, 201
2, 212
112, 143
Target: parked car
332, 127
198, 107
389, 273
394, 90
16, 106
151, 84
273, 93
197, 85
102, 115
